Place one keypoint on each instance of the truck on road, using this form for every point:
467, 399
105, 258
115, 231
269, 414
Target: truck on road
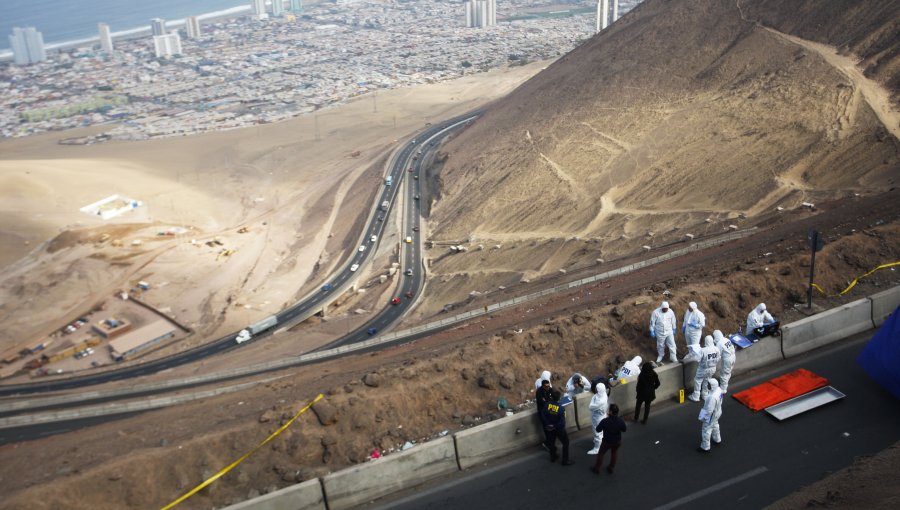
389, 180
384, 205
256, 328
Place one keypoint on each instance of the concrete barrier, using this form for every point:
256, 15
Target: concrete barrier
883, 305
826, 327
582, 410
362, 483
764, 352
303, 496
503, 436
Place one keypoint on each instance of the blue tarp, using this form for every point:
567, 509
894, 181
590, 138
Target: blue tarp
881, 357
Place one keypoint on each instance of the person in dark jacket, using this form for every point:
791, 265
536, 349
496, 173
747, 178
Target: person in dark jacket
612, 427
647, 383
553, 417
541, 397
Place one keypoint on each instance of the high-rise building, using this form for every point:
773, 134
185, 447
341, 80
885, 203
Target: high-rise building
106, 42
481, 13
27, 45
158, 26
603, 13
258, 9
277, 7
192, 26
167, 45
296, 6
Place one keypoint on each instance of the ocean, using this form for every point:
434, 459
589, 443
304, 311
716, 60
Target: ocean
70, 20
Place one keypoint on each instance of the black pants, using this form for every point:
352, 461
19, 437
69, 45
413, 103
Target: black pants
563, 436
637, 409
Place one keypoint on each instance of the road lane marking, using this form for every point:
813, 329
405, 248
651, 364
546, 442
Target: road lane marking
713, 488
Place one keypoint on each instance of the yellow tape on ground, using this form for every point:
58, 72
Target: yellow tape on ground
855, 280
231, 466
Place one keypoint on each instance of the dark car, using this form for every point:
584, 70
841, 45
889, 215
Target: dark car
372, 331
415, 229
327, 287
409, 294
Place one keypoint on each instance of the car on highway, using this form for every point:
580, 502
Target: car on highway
327, 287
416, 177
416, 197
408, 240
416, 228
354, 267
410, 169
409, 272
362, 248
373, 238
408, 294
395, 301
372, 331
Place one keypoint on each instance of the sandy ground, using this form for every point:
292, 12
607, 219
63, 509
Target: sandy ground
296, 186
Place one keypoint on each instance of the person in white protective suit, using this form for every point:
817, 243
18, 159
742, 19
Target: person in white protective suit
663, 326
598, 406
726, 358
576, 384
709, 417
694, 322
545, 376
630, 370
758, 318
706, 369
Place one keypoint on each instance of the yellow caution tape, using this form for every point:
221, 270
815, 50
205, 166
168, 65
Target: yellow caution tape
855, 280
231, 466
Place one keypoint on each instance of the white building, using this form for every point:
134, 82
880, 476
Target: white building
277, 8
27, 45
158, 26
258, 9
167, 45
106, 42
296, 6
192, 26
481, 13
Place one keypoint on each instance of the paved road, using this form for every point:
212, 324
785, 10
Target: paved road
760, 460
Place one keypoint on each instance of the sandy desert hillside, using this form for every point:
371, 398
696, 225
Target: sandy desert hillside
683, 117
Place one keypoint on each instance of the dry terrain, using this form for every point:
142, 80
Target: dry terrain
682, 118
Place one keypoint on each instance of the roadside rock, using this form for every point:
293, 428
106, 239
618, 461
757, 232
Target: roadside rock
325, 412
372, 379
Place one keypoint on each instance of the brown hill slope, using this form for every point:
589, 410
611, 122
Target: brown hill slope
679, 113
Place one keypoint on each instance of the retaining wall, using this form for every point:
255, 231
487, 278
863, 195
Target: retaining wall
365, 482
303, 496
764, 352
883, 304
826, 327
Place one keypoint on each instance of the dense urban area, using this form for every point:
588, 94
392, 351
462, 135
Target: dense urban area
244, 71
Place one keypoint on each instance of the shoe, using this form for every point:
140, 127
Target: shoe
659, 359
701, 450
594, 451
595, 470
609, 470
693, 398
567, 463
673, 360
716, 442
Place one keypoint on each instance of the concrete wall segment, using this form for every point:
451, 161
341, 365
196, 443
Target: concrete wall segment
826, 327
883, 304
303, 496
365, 482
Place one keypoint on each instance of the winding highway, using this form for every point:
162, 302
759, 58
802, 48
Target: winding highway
408, 157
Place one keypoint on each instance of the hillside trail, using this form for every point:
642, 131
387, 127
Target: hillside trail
874, 93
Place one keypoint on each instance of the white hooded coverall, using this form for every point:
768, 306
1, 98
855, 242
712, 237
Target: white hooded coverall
706, 369
598, 405
694, 322
545, 376
726, 358
631, 369
709, 416
662, 327
758, 318
571, 390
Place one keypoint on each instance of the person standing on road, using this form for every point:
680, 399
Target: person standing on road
647, 383
726, 358
612, 428
758, 318
706, 369
541, 397
709, 417
663, 326
553, 417
694, 322
598, 405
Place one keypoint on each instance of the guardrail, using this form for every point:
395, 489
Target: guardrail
505, 435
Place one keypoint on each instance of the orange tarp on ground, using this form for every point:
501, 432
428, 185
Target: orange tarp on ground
781, 388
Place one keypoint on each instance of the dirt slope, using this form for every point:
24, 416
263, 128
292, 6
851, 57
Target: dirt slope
681, 118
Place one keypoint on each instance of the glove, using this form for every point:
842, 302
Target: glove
652, 334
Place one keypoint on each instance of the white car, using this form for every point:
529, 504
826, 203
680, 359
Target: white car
243, 336
373, 238
354, 267
362, 248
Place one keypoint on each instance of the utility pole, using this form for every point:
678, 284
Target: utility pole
815, 244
